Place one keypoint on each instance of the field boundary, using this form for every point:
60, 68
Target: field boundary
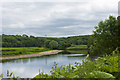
32, 55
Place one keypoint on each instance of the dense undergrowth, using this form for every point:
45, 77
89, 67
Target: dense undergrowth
102, 67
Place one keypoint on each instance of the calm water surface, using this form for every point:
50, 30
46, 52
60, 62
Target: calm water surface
28, 68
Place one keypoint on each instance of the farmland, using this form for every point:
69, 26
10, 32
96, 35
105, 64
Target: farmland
14, 51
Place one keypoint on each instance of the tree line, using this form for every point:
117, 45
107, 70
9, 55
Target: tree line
48, 42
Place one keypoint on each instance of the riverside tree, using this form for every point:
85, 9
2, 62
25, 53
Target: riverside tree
105, 37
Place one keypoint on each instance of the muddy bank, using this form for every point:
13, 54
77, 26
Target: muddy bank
32, 55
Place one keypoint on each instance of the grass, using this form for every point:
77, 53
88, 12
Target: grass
78, 51
77, 47
14, 51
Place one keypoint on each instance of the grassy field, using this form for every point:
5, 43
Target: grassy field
14, 51
78, 51
21, 51
77, 47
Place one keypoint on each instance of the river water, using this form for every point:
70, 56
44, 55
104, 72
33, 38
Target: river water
29, 67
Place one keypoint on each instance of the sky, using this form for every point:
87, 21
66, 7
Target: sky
55, 18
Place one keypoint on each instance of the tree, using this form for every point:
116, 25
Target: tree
26, 41
53, 44
105, 37
62, 45
46, 43
118, 32
24, 35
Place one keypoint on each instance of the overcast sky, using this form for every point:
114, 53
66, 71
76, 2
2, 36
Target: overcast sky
55, 18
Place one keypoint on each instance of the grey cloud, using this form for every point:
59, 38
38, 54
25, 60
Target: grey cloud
119, 8
52, 19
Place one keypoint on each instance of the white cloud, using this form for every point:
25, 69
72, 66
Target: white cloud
75, 26
43, 0
18, 25
32, 6
46, 17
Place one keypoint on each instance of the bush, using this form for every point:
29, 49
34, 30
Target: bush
102, 67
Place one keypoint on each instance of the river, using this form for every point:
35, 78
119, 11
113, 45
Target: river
29, 67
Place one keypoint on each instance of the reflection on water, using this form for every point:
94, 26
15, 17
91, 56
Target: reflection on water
0, 68
29, 67
76, 55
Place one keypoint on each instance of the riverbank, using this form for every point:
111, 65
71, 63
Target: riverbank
17, 51
32, 55
77, 49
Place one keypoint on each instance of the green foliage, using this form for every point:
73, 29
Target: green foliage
79, 47
105, 37
63, 45
53, 44
102, 67
46, 43
22, 51
1, 76
11, 75
99, 74
31, 41
42, 75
